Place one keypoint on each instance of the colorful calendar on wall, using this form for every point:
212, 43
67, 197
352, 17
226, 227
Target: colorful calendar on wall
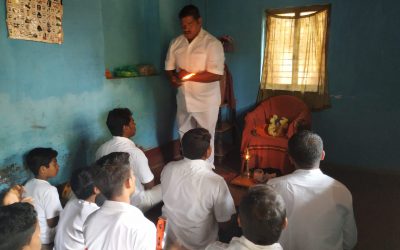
36, 20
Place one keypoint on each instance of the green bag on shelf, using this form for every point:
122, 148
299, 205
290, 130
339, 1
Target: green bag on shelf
126, 71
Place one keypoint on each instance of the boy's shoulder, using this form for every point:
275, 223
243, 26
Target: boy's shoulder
280, 179
172, 166
183, 165
134, 214
37, 183
39, 186
122, 217
214, 177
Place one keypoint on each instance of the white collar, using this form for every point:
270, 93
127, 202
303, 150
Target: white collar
308, 171
40, 180
199, 36
199, 164
116, 205
124, 139
86, 203
251, 245
201, 32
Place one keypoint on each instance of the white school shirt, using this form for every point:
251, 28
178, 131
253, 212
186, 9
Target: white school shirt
195, 200
117, 226
319, 211
204, 53
137, 160
242, 243
69, 233
47, 205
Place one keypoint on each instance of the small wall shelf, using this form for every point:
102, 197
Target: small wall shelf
117, 78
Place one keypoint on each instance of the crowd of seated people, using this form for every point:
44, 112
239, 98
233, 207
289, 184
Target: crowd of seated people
303, 210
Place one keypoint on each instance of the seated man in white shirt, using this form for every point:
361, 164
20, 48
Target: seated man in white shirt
69, 233
262, 216
117, 224
122, 127
196, 200
319, 208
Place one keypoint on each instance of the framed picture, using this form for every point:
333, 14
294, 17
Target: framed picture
36, 20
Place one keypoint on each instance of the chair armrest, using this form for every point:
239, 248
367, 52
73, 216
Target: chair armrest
302, 121
252, 120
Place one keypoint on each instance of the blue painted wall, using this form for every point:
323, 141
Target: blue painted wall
51, 94
361, 129
57, 96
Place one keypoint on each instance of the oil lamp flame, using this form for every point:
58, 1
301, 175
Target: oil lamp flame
188, 76
247, 155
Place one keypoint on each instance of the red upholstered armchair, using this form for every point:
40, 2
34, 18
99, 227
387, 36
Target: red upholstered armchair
268, 151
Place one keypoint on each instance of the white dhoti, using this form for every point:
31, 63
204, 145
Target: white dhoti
207, 119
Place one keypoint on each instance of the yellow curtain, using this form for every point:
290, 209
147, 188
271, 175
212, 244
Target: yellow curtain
295, 57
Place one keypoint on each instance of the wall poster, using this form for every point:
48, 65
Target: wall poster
36, 20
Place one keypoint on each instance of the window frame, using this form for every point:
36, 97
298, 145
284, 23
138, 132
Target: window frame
294, 86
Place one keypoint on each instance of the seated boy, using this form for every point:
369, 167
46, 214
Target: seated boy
123, 127
43, 164
196, 200
70, 227
19, 229
262, 216
117, 224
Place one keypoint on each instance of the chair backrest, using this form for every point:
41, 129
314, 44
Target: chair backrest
283, 105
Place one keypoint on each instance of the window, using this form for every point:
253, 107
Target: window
295, 50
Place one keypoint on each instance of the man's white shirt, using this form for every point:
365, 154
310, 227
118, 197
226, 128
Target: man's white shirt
242, 243
118, 225
319, 211
195, 200
137, 160
204, 53
69, 233
47, 205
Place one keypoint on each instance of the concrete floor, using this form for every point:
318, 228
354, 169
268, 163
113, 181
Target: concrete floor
376, 201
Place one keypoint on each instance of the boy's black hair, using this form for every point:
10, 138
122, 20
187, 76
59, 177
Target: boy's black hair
262, 215
305, 148
38, 157
17, 225
189, 10
195, 143
110, 172
117, 119
82, 183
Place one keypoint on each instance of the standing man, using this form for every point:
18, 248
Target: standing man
194, 65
